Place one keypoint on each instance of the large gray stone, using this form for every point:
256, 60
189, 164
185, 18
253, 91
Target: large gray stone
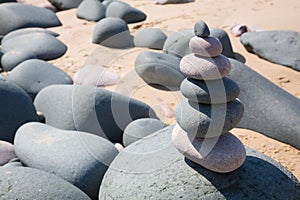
91, 10
281, 47
78, 157
16, 109
152, 38
65, 4
124, 11
269, 109
34, 75
210, 92
159, 68
203, 120
141, 128
29, 183
28, 46
112, 32
22, 31
90, 109
152, 168
16, 15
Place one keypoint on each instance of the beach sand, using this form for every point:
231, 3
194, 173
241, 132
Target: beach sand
263, 14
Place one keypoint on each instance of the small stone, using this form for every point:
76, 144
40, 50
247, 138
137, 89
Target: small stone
78, 157
91, 10
152, 38
7, 152
119, 147
201, 29
96, 75
210, 92
219, 154
207, 47
90, 109
28, 46
124, 11
24, 31
159, 68
224, 39
281, 47
200, 120
112, 32
107, 2
65, 4
163, 2
16, 109
34, 75
203, 68
17, 15
19, 182
141, 128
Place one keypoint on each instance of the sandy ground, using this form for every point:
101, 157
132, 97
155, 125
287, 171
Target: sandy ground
265, 14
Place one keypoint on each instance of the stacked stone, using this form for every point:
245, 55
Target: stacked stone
211, 108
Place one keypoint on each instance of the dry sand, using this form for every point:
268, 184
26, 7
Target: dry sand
265, 14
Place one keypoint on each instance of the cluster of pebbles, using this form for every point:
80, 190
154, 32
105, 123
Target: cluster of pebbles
210, 109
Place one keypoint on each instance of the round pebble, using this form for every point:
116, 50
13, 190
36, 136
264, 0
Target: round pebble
201, 29
203, 120
141, 128
7, 152
204, 68
210, 92
207, 47
219, 154
152, 38
91, 10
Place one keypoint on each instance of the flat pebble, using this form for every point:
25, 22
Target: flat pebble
220, 154
203, 68
207, 47
33, 75
17, 15
152, 38
126, 12
198, 119
210, 92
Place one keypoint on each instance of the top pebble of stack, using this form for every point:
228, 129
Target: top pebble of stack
201, 29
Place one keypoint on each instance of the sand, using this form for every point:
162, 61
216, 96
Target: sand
263, 14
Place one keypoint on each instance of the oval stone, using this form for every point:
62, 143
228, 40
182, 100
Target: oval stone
203, 120
124, 11
203, 68
78, 157
18, 182
152, 38
7, 152
159, 68
219, 154
112, 32
91, 10
33, 75
201, 29
210, 92
16, 109
207, 47
141, 128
